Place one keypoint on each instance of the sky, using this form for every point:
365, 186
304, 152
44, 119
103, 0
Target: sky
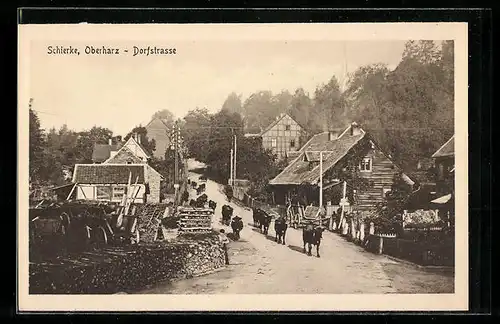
121, 92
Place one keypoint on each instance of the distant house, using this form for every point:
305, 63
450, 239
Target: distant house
444, 161
282, 136
351, 150
160, 132
108, 182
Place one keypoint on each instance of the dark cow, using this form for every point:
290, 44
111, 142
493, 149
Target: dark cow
194, 184
227, 213
256, 216
264, 222
237, 226
212, 204
280, 227
184, 197
200, 189
312, 235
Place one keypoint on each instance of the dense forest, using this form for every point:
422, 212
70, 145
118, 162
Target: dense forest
408, 110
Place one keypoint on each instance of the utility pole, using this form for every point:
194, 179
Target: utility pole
176, 151
234, 168
320, 187
231, 164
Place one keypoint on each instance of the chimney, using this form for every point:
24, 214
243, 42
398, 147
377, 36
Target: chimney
110, 141
355, 130
332, 135
138, 138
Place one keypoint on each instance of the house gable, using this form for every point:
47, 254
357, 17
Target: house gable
282, 136
159, 131
134, 147
125, 156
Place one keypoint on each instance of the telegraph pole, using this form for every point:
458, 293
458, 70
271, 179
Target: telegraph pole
234, 168
176, 151
231, 164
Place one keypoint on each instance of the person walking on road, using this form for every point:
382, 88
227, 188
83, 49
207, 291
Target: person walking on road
224, 240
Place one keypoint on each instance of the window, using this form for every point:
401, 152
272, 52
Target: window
287, 127
292, 143
366, 165
103, 193
118, 193
273, 142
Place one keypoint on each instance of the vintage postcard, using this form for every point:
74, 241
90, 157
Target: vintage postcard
243, 167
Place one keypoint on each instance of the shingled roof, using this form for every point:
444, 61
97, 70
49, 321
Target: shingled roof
108, 173
448, 149
299, 171
102, 152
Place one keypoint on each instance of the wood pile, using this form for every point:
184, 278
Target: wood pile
127, 268
149, 219
195, 219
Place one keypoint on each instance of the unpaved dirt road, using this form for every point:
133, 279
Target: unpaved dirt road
258, 265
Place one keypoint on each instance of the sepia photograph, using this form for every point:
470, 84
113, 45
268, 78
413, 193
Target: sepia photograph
243, 167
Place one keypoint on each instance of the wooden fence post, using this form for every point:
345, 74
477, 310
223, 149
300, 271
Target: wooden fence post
362, 232
381, 245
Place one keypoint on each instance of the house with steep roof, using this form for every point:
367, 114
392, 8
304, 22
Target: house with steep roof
444, 161
283, 136
110, 182
347, 155
159, 130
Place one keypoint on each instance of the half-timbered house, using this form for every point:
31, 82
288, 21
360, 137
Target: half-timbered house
351, 156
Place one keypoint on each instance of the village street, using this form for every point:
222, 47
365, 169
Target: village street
258, 265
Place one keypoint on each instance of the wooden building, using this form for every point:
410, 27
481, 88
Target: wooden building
282, 136
444, 162
108, 182
351, 155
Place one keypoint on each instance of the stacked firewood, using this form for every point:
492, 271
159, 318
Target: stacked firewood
126, 268
195, 219
149, 218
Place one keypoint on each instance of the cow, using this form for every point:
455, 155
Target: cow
237, 226
212, 204
312, 236
280, 227
200, 189
184, 197
227, 213
264, 222
194, 184
256, 216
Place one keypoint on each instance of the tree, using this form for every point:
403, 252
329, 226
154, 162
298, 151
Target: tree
233, 104
146, 143
258, 111
87, 139
328, 108
36, 147
300, 107
166, 116
195, 130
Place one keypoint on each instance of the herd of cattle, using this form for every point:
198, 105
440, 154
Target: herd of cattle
311, 234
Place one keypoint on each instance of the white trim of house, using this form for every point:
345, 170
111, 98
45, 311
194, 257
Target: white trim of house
125, 145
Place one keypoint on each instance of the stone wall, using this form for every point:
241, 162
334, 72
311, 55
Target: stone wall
128, 268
